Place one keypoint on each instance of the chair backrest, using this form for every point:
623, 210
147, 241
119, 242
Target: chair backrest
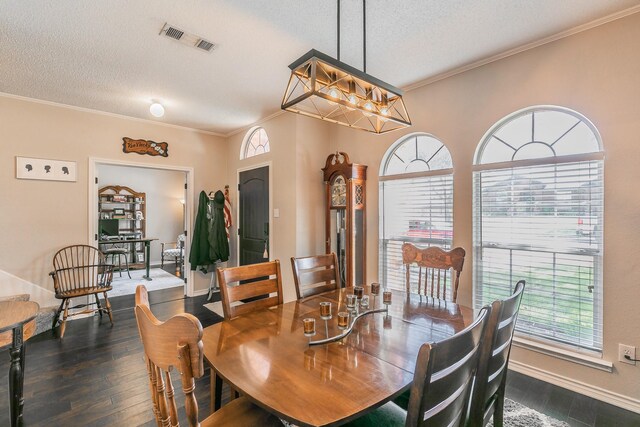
176, 343
79, 267
443, 376
267, 280
437, 265
494, 356
315, 274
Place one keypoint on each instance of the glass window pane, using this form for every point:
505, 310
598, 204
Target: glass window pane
257, 143
543, 224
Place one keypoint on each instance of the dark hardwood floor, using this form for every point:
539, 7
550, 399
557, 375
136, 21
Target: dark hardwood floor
96, 376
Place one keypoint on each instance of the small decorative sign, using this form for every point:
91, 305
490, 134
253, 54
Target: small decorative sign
143, 146
44, 169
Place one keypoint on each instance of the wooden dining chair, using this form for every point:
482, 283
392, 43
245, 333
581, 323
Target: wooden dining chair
79, 271
441, 386
265, 278
439, 267
177, 344
489, 387
314, 275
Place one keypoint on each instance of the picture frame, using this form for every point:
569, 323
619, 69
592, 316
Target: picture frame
118, 211
45, 169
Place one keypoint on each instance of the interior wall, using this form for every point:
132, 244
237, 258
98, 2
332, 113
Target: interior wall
299, 147
594, 72
313, 139
282, 138
164, 192
43, 216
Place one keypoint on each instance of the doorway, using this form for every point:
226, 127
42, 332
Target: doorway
253, 215
168, 192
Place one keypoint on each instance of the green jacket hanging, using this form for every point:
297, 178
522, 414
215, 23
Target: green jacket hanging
218, 241
200, 254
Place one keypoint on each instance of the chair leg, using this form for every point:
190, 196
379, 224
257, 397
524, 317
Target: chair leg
216, 391
162, 260
56, 317
126, 263
498, 412
120, 264
98, 305
63, 325
107, 306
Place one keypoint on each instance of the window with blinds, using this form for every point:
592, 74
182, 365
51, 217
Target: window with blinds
540, 218
416, 202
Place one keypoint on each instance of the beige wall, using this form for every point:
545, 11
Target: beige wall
595, 73
40, 217
299, 147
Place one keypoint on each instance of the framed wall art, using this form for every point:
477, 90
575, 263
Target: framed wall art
45, 169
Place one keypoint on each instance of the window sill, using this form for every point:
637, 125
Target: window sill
564, 354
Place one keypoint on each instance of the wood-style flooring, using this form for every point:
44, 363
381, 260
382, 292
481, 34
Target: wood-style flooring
96, 375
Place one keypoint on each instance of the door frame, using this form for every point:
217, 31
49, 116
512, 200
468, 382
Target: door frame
248, 168
94, 162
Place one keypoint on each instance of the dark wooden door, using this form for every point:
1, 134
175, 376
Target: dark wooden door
254, 215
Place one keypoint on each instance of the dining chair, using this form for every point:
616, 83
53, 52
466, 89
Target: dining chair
314, 275
80, 270
439, 267
177, 344
487, 399
441, 386
265, 279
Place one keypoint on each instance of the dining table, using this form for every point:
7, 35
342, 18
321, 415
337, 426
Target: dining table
265, 356
17, 324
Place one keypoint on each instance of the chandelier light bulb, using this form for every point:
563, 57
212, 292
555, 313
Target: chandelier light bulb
156, 110
353, 99
334, 93
369, 107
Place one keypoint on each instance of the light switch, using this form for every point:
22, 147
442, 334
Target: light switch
276, 213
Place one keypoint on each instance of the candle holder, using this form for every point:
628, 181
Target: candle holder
375, 288
358, 291
351, 301
343, 320
325, 310
386, 299
309, 325
364, 302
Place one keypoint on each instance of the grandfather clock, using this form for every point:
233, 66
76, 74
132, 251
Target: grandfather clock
345, 216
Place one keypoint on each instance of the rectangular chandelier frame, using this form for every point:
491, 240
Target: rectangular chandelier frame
325, 88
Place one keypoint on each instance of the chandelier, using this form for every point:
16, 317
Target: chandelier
328, 89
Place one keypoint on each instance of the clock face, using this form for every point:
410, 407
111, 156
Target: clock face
339, 192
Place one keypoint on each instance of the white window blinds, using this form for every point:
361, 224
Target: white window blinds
416, 210
543, 224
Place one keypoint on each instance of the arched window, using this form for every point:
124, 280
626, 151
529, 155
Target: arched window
416, 201
538, 216
255, 142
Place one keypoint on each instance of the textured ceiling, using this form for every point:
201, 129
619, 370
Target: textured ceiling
107, 55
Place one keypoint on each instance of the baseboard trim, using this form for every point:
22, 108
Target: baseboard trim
200, 292
589, 390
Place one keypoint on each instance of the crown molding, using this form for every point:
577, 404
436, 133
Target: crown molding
105, 113
566, 33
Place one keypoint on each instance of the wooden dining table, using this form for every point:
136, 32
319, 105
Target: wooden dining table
16, 326
265, 356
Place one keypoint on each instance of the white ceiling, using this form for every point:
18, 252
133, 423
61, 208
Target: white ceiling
108, 56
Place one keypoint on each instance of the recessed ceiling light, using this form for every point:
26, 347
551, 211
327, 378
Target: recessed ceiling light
156, 110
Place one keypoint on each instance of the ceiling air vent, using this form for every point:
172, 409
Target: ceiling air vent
174, 33
187, 39
205, 45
